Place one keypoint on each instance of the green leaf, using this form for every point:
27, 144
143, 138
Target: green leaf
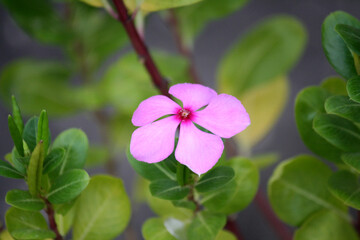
293, 194
176, 228
156, 5
345, 186
53, 159
43, 131
225, 235
16, 136
35, 168
30, 131
76, 144
103, 209
350, 35
343, 107
192, 19
94, 3
338, 131
308, 103
353, 88
263, 161
214, 179
326, 225
183, 174
24, 200
168, 189
65, 221
238, 193
17, 115
184, 204
68, 186
336, 50
39, 19
206, 225
154, 229
20, 163
97, 155
27, 225
154, 171
334, 85
6, 170
352, 160
5, 235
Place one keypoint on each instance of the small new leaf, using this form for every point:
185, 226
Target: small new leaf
15, 135
43, 131
34, 172
17, 115
24, 200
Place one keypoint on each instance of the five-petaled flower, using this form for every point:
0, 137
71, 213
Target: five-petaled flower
223, 115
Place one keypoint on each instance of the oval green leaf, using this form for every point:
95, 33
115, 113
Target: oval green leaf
35, 168
6, 170
24, 200
353, 88
168, 189
15, 135
350, 35
334, 85
30, 132
154, 229
343, 107
43, 131
53, 159
215, 179
352, 160
206, 225
17, 115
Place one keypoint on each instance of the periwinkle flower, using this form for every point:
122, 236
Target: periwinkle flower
223, 115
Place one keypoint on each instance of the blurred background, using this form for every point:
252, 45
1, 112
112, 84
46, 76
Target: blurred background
209, 48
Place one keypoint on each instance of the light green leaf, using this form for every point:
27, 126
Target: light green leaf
338, 131
352, 160
43, 131
156, 5
35, 168
24, 200
65, 221
94, 3
214, 179
263, 161
334, 85
225, 235
206, 225
76, 144
308, 103
154, 229
168, 189
30, 132
238, 193
27, 225
353, 88
293, 194
17, 115
325, 225
53, 159
18, 162
5, 235
97, 156
343, 107
176, 228
6, 170
102, 211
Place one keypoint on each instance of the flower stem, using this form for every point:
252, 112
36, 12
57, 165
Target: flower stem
51, 216
140, 47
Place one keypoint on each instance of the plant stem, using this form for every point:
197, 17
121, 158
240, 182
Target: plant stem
140, 47
182, 48
191, 198
277, 225
231, 226
51, 216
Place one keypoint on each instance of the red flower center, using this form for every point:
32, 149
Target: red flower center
184, 114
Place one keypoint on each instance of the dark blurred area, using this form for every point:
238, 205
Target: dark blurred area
209, 48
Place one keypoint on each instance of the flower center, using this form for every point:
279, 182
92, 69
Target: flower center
184, 114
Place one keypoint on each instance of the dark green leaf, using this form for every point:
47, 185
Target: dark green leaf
17, 115
53, 159
343, 107
6, 170
352, 160
102, 210
30, 132
325, 225
16, 136
154, 171
43, 131
336, 51
76, 144
298, 188
214, 179
68, 186
183, 174
20, 163
24, 200
308, 103
353, 88
334, 85
154, 229
168, 189
350, 35
35, 168
206, 225
338, 131
27, 225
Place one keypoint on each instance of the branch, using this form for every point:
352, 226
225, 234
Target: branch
140, 47
51, 216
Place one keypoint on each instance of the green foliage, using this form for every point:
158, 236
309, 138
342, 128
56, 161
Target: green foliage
325, 225
68, 186
309, 102
17, 115
168, 189
16, 136
43, 131
30, 132
24, 200
154, 229
353, 88
103, 209
334, 85
336, 50
34, 171
206, 225
352, 160
27, 225
156, 5
225, 235
343, 107
6, 170
350, 35
215, 179
183, 174
53, 159
293, 194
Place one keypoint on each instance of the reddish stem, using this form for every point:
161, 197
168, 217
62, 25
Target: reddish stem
140, 47
231, 226
277, 225
51, 216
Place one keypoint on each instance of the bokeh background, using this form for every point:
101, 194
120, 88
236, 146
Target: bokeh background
209, 48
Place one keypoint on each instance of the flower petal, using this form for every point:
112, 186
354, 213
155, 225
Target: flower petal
225, 116
153, 108
196, 149
154, 142
193, 96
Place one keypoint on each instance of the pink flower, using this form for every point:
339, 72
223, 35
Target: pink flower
154, 141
